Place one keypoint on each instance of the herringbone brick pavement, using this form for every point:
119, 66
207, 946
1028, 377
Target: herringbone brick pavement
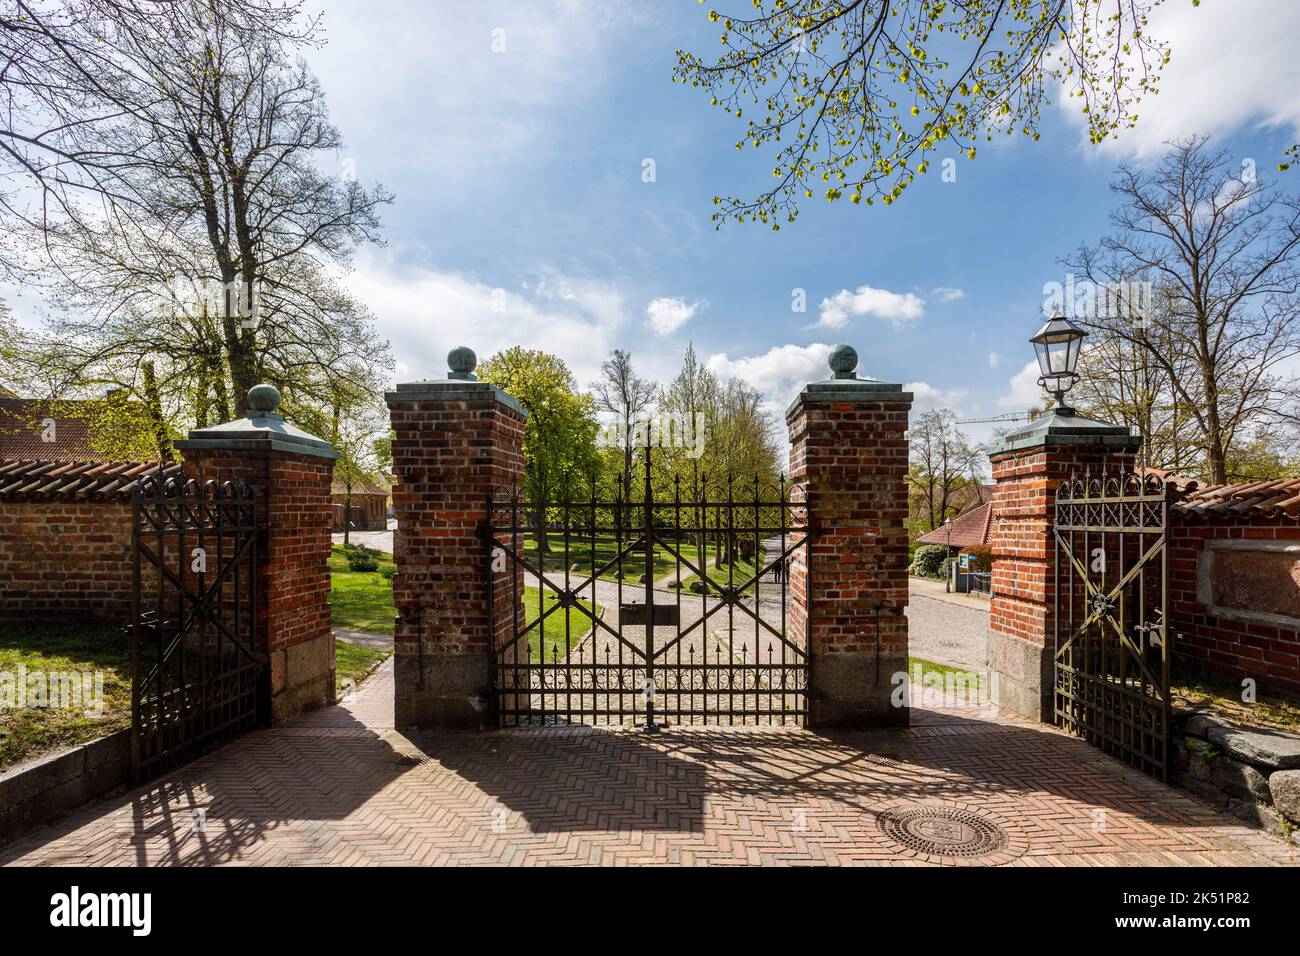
341, 787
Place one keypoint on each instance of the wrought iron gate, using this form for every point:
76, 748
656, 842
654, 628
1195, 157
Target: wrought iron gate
1112, 653
198, 678
600, 642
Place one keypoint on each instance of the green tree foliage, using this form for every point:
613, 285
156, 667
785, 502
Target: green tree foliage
731, 434
560, 456
858, 97
622, 393
355, 421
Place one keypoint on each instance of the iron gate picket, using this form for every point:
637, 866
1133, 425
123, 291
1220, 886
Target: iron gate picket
1112, 655
198, 677
609, 658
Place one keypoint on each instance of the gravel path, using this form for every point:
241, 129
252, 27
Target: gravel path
720, 666
946, 632
381, 540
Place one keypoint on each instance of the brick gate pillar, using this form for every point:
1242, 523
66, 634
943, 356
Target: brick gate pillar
454, 440
296, 470
1028, 464
848, 448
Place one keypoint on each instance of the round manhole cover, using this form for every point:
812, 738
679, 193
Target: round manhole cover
943, 831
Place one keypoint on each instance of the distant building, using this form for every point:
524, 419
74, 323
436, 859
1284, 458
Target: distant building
112, 428
42, 429
369, 509
970, 529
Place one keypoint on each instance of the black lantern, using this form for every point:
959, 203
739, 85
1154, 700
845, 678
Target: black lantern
1057, 345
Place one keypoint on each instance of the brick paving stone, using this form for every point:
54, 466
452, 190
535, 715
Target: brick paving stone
342, 787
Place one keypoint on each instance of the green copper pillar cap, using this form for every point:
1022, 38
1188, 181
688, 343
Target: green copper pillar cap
262, 428
844, 385
462, 361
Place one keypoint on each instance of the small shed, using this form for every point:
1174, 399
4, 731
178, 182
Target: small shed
368, 510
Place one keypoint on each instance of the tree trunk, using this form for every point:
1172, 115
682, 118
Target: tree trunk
539, 533
243, 370
153, 401
347, 515
221, 395
1216, 454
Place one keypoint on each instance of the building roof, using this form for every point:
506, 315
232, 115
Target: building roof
28, 480
970, 530
1275, 496
22, 431
362, 487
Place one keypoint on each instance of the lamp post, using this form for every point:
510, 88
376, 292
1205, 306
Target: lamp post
1057, 345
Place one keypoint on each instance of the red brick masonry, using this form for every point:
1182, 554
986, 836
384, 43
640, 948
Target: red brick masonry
294, 623
1234, 592
848, 451
1234, 598
65, 539
453, 442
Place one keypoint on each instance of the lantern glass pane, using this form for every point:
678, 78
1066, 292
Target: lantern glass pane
1040, 349
1057, 355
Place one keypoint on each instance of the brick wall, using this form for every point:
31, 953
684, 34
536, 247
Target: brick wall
1021, 542
1020, 532
1254, 632
453, 443
368, 512
293, 604
851, 459
66, 560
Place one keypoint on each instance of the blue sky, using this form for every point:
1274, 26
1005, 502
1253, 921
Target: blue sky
521, 214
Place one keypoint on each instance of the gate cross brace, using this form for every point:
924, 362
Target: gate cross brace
1109, 597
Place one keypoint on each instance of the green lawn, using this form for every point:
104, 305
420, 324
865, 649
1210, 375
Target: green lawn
960, 687
27, 732
933, 667
737, 573
353, 662
364, 600
553, 638
605, 547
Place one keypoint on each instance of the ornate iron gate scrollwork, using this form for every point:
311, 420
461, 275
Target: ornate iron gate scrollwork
1112, 647
198, 676
714, 651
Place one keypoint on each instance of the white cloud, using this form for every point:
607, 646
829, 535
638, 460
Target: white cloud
667, 315
899, 310
1232, 65
425, 312
1024, 391
994, 360
925, 397
779, 373
947, 294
